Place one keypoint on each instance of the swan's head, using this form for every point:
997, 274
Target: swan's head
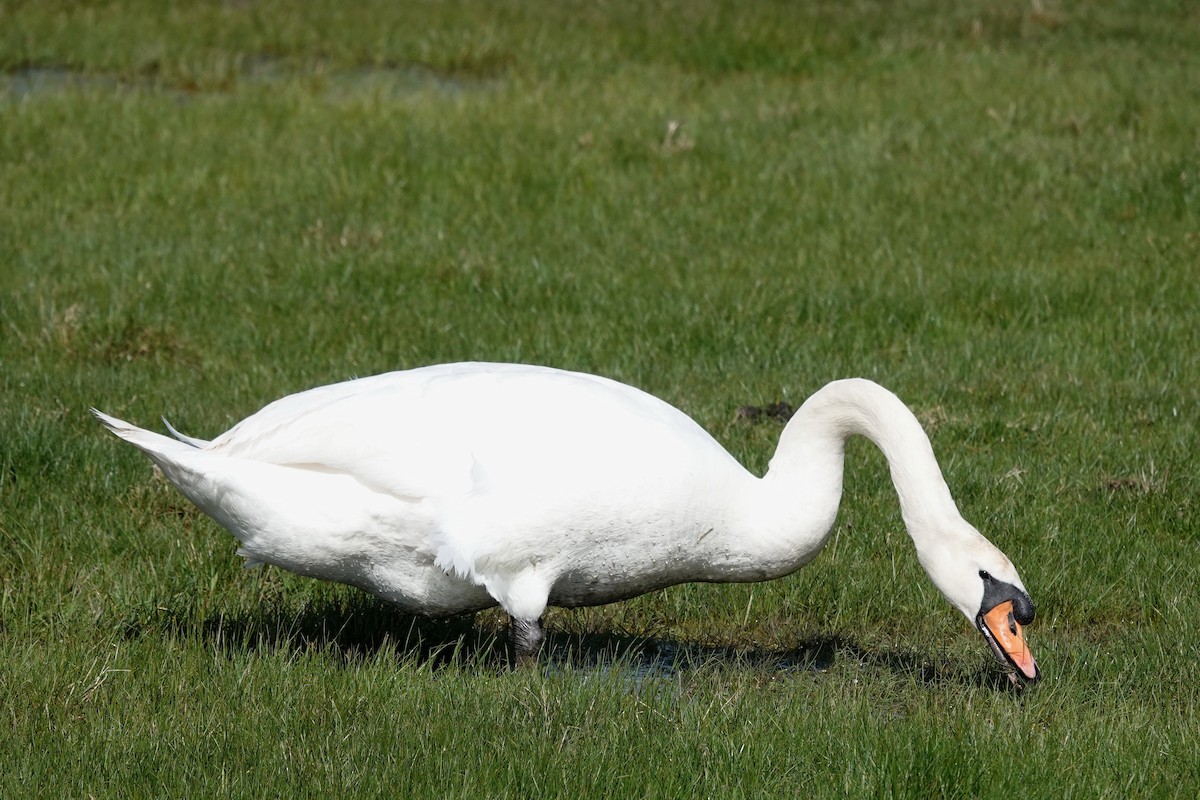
984, 585
1005, 607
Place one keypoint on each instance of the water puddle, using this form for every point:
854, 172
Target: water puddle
27, 81
375, 81
395, 83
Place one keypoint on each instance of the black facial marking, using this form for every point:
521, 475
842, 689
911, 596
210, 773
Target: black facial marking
996, 591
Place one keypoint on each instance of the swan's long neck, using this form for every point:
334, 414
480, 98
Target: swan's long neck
792, 509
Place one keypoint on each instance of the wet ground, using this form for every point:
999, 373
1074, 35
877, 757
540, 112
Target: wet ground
332, 83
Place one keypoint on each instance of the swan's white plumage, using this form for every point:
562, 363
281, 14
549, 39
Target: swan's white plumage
450, 488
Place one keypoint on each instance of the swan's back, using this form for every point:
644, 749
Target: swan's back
450, 429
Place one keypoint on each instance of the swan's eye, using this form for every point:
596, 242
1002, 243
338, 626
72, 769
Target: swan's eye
983, 573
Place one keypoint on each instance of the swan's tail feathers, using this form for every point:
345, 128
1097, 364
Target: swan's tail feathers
192, 440
194, 471
151, 443
170, 455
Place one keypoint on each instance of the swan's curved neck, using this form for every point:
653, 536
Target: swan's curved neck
796, 502
859, 407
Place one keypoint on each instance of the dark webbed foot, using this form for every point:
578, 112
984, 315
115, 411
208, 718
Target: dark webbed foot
526, 637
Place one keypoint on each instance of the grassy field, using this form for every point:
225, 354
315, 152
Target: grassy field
991, 207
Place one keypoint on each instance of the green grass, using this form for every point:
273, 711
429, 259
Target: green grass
992, 208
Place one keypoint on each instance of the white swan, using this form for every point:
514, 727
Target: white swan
453, 488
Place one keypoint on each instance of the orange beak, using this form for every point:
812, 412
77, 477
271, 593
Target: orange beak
1003, 633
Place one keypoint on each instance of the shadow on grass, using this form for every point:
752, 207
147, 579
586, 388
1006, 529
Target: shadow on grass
355, 630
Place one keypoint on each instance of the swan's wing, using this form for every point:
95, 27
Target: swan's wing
377, 430
458, 429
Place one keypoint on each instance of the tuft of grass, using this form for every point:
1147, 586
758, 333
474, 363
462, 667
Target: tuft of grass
990, 208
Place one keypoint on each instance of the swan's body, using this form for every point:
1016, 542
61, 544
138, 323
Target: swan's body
452, 488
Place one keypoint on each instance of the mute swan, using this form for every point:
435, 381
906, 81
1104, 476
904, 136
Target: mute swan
452, 488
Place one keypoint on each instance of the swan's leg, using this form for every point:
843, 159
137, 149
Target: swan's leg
523, 595
526, 637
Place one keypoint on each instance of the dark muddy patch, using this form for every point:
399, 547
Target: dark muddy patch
1141, 484
773, 412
